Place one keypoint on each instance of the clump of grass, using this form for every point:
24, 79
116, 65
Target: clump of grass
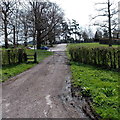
12, 70
99, 84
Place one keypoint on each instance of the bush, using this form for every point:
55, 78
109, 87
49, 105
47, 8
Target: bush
12, 56
107, 57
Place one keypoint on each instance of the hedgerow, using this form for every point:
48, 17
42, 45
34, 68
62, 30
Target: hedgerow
108, 57
12, 56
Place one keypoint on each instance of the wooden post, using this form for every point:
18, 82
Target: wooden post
25, 57
111, 63
114, 59
35, 57
19, 56
9, 57
119, 60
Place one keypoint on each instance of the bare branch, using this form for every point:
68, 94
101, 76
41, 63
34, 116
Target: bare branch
101, 9
103, 15
101, 3
101, 25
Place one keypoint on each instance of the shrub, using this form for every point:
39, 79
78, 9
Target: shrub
12, 56
107, 57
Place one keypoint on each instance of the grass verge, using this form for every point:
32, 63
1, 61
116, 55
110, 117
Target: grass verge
100, 85
12, 70
92, 45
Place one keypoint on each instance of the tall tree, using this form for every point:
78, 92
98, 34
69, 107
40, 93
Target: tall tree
66, 32
105, 33
7, 7
47, 17
41, 20
108, 11
85, 36
75, 29
98, 35
25, 18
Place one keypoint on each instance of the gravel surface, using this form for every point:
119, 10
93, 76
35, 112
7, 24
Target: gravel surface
36, 93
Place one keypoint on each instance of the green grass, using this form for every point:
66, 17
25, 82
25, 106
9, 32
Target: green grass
92, 45
12, 70
99, 84
41, 54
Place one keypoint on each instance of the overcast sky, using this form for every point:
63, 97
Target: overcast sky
79, 10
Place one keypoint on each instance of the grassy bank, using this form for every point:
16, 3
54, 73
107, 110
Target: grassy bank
100, 85
12, 70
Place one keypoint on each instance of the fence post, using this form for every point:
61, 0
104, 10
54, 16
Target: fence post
118, 59
9, 57
35, 57
25, 57
111, 62
95, 56
19, 55
114, 59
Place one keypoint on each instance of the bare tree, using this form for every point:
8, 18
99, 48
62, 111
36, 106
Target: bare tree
55, 21
66, 33
41, 20
46, 16
7, 11
109, 12
25, 25
98, 35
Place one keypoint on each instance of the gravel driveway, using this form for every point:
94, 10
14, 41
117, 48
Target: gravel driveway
36, 92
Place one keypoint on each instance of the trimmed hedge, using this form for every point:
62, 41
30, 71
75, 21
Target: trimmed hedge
107, 57
13, 56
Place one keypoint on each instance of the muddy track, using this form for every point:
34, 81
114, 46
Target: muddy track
41, 92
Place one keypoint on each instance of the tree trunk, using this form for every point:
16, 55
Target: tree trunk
39, 39
17, 38
109, 19
14, 42
6, 34
34, 42
26, 40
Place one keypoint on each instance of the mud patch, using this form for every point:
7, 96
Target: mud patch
71, 95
